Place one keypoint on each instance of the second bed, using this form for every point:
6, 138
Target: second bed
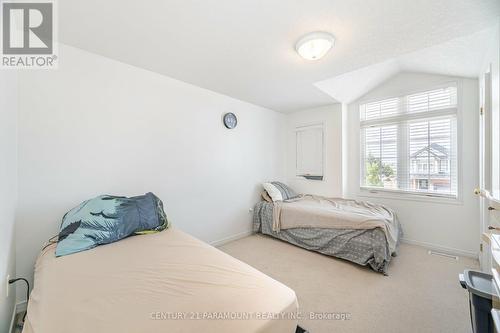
367, 247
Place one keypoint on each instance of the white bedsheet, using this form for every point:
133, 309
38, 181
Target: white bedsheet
165, 282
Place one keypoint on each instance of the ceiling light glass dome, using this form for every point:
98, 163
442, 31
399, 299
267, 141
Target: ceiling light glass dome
314, 45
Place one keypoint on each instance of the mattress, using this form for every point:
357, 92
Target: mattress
364, 247
164, 282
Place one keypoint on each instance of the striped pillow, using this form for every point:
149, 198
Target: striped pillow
279, 191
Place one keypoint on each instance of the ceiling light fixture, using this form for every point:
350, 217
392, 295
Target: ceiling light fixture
315, 45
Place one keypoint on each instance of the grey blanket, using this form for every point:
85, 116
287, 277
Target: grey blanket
311, 211
364, 247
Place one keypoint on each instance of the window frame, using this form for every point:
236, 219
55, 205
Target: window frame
376, 192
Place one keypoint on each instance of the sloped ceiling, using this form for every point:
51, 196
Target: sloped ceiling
348, 87
460, 57
245, 49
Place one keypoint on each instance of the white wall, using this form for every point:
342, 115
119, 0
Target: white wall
430, 222
331, 118
99, 126
8, 190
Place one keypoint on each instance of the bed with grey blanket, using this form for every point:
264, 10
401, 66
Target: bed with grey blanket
367, 247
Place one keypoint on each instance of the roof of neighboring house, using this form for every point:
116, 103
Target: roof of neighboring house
434, 149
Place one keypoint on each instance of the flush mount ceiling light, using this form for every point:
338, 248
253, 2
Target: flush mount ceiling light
314, 45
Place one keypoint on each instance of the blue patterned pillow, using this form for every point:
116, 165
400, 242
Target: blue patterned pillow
106, 219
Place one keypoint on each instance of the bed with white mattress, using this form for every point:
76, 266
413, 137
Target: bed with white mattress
164, 282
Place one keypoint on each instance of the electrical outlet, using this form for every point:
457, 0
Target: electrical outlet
7, 285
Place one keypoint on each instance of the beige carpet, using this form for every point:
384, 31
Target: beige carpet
421, 293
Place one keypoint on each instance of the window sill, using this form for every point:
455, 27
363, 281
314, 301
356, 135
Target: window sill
409, 196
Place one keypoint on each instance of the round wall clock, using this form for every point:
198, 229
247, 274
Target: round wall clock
230, 120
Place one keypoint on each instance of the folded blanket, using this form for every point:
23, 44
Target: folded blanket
310, 211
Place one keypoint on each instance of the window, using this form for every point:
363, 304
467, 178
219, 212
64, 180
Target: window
422, 184
309, 141
409, 143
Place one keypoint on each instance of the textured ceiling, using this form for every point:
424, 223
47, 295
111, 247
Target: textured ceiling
461, 57
245, 49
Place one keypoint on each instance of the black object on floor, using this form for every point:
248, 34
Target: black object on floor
480, 287
300, 330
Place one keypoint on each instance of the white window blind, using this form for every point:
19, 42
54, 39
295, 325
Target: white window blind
409, 143
380, 109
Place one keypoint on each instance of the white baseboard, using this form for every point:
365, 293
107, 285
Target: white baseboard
11, 327
18, 307
226, 240
443, 249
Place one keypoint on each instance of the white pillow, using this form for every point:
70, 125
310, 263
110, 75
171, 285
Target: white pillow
273, 192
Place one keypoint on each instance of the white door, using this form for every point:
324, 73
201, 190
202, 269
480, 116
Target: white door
485, 164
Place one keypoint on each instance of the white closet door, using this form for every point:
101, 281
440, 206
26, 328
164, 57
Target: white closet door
310, 148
